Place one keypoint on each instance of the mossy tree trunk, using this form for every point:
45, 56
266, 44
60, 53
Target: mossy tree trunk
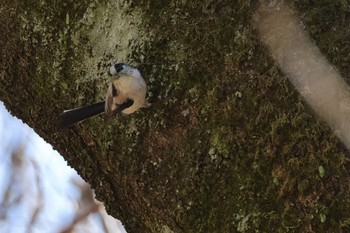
228, 145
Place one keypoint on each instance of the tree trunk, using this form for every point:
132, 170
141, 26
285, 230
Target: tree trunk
228, 144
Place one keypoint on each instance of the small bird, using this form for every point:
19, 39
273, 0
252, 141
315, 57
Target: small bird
126, 94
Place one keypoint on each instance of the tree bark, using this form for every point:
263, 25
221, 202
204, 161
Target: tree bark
228, 144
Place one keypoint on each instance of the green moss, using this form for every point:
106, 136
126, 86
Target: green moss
240, 142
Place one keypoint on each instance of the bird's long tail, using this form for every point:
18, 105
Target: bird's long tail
72, 116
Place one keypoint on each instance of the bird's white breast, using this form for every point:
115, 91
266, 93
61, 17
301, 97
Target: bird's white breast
133, 87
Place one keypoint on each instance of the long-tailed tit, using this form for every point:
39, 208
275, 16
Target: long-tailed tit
125, 94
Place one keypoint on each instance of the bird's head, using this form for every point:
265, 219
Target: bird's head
116, 68
121, 69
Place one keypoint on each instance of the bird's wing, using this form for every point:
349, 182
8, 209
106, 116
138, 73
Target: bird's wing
109, 99
115, 101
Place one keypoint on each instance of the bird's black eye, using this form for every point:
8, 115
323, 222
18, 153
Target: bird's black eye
119, 67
